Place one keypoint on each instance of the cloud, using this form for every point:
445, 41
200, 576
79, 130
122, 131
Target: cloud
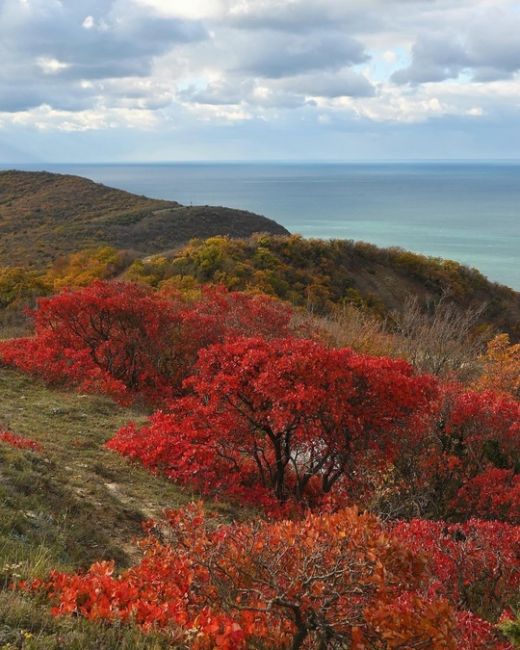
84, 40
287, 92
46, 118
276, 55
341, 83
158, 66
219, 93
486, 47
294, 16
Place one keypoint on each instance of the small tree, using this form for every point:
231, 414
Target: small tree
287, 418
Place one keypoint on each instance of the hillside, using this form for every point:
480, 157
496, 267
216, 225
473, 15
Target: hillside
367, 430
68, 505
44, 216
321, 275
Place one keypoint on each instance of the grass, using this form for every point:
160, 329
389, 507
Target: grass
67, 506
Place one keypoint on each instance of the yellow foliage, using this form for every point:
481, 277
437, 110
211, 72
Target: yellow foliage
82, 268
501, 366
20, 286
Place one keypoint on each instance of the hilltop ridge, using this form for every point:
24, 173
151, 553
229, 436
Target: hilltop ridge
45, 215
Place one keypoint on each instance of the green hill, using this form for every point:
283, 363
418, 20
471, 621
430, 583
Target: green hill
44, 216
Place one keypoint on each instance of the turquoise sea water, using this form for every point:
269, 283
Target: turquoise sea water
468, 212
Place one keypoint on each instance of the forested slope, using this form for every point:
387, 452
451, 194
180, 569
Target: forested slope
321, 275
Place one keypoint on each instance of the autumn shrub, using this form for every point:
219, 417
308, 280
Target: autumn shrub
109, 336
501, 366
465, 465
285, 420
19, 289
84, 267
443, 339
348, 326
329, 581
478, 447
475, 564
510, 627
128, 341
19, 285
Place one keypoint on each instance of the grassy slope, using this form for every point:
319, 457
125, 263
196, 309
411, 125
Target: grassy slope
44, 216
67, 506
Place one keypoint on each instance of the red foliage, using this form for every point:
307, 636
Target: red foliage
282, 420
473, 459
108, 336
326, 581
127, 341
493, 494
476, 564
218, 314
19, 441
478, 634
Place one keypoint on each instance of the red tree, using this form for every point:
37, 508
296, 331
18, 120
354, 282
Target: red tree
285, 418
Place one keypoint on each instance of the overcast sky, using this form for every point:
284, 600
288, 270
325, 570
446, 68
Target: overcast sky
159, 80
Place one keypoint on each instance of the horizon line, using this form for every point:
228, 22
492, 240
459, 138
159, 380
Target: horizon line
298, 161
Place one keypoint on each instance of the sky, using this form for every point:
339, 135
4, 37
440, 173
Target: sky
165, 80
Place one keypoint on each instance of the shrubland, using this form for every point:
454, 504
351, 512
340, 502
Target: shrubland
380, 503
324, 275
125, 340
44, 216
321, 277
359, 467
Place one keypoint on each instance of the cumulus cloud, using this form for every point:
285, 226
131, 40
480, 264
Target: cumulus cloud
218, 93
341, 83
276, 55
486, 47
84, 40
90, 65
286, 92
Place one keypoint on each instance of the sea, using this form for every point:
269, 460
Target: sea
465, 211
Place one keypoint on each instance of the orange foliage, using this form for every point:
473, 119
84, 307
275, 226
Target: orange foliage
84, 267
328, 581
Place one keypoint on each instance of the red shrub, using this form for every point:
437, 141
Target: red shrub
493, 494
478, 442
326, 581
282, 419
125, 340
467, 465
476, 565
